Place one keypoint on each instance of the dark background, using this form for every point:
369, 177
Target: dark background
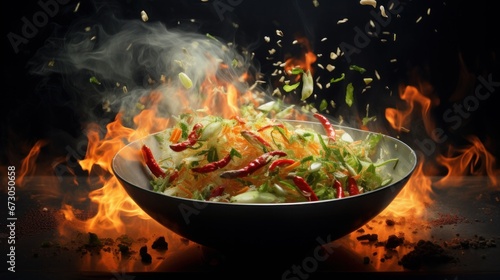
454, 41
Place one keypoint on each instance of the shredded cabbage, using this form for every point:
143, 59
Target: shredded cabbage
239, 148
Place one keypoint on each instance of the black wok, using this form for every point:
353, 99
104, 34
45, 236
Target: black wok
271, 227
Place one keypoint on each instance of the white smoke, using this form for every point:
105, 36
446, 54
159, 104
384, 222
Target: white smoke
115, 64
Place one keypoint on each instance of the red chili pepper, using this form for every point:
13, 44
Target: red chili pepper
352, 186
238, 119
174, 175
155, 168
151, 162
304, 187
330, 130
217, 191
280, 162
253, 166
269, 126
190, 141
255, 140
338, 187
213, 165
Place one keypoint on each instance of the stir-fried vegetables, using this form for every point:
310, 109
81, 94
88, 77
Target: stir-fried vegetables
256, 159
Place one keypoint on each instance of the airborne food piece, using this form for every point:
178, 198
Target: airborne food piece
257, 159
185, 80
372, 3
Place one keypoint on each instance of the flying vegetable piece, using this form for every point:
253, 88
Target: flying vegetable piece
357, 68
336, 80
94, 80
291, 87
253, 166
307, 85
190, 141
349, 94
323, 105
185, 80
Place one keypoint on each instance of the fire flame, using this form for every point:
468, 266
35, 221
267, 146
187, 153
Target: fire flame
28, 164
113, 202
306, 61
400, 119
474, 160
114, 205
416, 194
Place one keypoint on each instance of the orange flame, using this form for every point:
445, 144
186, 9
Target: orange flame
306, 61
400, 120
413, 198
114, 206
474, 160
416, 195
28, 164
409, 208
223, 97
113, 202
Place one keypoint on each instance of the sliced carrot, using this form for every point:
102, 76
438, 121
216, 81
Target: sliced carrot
188, 192
175, 135
242, 190
357, 142
290, 167
225, 130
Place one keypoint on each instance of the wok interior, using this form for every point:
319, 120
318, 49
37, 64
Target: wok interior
127, 163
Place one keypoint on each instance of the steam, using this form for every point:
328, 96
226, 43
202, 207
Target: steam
114, 65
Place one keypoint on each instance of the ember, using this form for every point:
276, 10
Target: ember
447, 219
477, 242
